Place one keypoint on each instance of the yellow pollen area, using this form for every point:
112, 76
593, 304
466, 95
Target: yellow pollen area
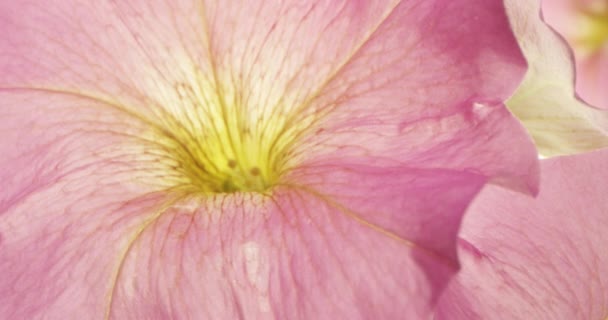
214, 139
594, 29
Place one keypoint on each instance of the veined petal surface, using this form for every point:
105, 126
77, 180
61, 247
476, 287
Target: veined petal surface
283, 160
543, 258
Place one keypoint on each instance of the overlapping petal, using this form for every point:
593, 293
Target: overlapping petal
381, 148
542, 258
584, 25
545, 102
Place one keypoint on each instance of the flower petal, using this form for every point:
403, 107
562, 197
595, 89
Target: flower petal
114, 49
545, 102
354, 220
543, 258
85, 232
439, 113
73, 193
352, 81
83, 220
395, 127
295, 254
584, 25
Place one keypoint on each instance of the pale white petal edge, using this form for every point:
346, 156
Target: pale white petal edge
546, 103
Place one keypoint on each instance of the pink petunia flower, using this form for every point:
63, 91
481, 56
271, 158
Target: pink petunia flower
246, 159
543, 258
584, 25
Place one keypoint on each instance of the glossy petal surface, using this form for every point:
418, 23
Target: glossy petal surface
122, 121
543, 258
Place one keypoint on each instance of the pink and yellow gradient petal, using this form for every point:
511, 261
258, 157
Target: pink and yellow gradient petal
211, 159
584, 25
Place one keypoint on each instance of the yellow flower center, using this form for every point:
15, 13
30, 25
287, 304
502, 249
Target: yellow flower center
594, 29
215, 139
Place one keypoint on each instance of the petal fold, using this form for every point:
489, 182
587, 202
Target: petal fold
558, 120
543, 258
390, 114
584, 25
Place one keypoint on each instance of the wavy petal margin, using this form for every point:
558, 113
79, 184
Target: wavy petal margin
542, 258
584, 25
545, 102
398, 123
